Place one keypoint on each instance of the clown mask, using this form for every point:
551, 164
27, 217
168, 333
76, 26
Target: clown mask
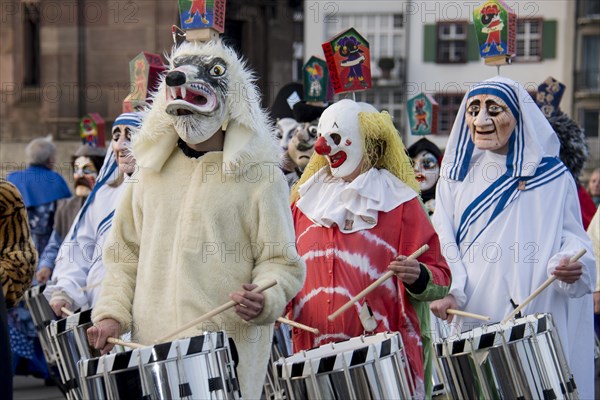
84, 175
490, 122
427, 170
340, 140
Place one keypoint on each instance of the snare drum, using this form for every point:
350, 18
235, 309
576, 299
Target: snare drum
200, 367
68, 337
279, 349
42, 315
366, 367
517, 360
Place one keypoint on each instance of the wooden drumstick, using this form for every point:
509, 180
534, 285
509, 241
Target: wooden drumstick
123, 343
374, 285
540, 289
468, 314
65, 310
214, 312
298, 325
88, 287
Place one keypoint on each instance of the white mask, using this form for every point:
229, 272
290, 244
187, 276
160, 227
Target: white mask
427, 169
340, 139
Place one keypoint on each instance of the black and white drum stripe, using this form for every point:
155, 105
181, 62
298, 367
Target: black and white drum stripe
492, 335
337, 356
151, 354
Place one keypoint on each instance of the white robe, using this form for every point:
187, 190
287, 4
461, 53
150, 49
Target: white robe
80, 260
516, 253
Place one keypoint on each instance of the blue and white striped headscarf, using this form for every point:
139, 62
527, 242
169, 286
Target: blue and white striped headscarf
109, 170
531, 161
532, 139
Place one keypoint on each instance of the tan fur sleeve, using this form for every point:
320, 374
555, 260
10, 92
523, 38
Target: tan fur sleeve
18, 255
276, 256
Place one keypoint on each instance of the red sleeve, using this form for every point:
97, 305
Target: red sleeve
417, 231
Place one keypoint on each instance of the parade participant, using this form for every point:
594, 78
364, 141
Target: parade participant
17, 265
426, 157
40, 187
80, 263
301, 145
282, 112
207, 216
508, 218
87, 161
594, 186
573, 153
356, 214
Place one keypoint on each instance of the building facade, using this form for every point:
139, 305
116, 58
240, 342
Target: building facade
436, 50
60, 60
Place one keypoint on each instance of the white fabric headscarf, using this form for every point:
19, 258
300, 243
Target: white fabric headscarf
532, 139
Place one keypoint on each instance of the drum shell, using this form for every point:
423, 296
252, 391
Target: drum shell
42, 315
369, 367
520, 359
70, 343
200, 367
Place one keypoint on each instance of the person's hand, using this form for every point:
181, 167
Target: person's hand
101, 331
568, 272
596, 302
439, 307
43, 275
57, 305
407, 270
249, 304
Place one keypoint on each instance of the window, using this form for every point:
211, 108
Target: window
589, 76
529, 39
31, 44
448, 106
590, 122
451, 42
384, 32
588, 9
388, 99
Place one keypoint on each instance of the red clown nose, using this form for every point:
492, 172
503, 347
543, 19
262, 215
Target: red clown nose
321, 146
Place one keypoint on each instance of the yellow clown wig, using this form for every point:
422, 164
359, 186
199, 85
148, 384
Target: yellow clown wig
383, 149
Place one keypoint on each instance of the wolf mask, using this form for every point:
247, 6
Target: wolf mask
206, 87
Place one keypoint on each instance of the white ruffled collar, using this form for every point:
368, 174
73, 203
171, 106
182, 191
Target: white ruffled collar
352, 206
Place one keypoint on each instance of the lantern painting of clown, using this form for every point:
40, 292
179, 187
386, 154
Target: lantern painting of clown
315, 78
349, 62
422, 114
495, 26
197, 14
91, 128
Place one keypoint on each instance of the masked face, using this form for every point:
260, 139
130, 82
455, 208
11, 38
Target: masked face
427, 170
490, 122
84, 175
301, 146
285, 130
196, 88
339, 138
121, 146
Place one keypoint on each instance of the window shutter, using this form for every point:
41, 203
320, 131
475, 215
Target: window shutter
429, 43
549, 40
472, 44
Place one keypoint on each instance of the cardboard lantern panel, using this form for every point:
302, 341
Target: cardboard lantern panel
92, 130
144, 73
496, 29
316, 79
422, 114
349, 62
549, 95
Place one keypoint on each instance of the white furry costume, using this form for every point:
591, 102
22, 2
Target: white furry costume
193, 230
